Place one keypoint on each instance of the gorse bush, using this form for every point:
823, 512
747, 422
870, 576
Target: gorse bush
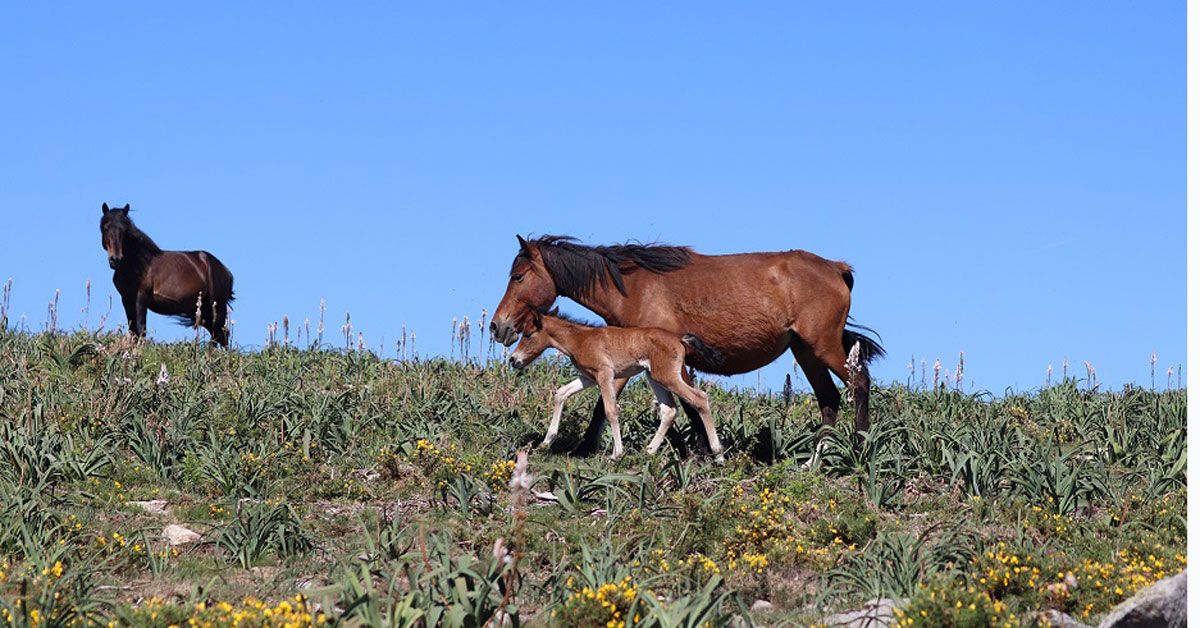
380, 493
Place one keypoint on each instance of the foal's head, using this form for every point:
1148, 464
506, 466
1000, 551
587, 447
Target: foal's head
114, 226
534, 341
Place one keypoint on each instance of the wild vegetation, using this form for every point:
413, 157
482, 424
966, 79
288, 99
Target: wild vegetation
335, 486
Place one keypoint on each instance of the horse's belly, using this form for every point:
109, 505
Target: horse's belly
739, 359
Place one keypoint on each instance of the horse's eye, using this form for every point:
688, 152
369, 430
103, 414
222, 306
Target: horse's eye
518, 277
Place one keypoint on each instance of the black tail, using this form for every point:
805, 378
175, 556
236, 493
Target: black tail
869, 349
696, 346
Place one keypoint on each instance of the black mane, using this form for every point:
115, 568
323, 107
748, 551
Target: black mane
577, 268
140, 244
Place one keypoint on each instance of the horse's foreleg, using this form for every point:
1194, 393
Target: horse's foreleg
130, 305
142, 304
560, 399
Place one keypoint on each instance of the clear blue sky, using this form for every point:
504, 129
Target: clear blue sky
1008, 179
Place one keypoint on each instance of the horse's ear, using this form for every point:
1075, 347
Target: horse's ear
524, 245
125, 208
104, 208
537, 320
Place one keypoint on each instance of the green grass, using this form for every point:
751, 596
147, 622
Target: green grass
376, 492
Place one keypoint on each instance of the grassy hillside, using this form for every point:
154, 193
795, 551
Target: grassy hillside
331, 485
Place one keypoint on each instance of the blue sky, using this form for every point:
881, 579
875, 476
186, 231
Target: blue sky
1008, 179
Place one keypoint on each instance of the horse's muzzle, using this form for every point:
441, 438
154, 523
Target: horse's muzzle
113, 262
503, 333
516, 362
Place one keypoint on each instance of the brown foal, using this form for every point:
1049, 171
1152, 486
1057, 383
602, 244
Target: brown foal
606, 355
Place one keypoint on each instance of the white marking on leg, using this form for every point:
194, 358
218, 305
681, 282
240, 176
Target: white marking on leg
560, 399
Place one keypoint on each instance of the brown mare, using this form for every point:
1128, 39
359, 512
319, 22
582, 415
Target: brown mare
603, 355
750, 307
173, 283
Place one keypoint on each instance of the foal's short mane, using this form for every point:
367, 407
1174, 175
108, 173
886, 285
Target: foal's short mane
578, 268
574, 320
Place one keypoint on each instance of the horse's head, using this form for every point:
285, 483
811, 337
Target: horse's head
534, 341
114, 224
530, 288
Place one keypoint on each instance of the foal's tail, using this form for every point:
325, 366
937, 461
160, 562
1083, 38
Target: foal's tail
697, 347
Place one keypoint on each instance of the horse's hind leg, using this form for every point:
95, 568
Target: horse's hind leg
830, 352
216, 323
666, 415
828, 397
694, 418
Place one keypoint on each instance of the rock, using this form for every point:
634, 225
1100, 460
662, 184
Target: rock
154, 506
877, 614
1163, 603
761, 605
178, 535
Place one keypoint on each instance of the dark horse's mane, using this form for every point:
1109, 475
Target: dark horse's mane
578, 268
143, 246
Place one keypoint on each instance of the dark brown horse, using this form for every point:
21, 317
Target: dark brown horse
750, 307
193, 286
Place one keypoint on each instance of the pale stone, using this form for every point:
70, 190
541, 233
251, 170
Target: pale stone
178, 535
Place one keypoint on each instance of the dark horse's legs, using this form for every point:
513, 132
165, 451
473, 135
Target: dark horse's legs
214, 322
135, 313
590, 443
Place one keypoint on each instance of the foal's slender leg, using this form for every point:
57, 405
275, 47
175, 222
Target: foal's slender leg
591, 438
608, 395
560, 399
666, 415
698, 398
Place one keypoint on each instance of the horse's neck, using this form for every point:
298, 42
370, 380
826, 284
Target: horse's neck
144, 255
564, 336
605, 301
